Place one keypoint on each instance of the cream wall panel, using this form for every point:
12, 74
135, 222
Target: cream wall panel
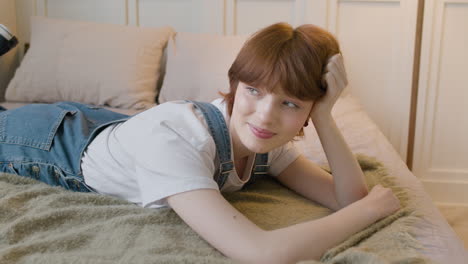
377, 39
315, 12
198, 16
40, 7
133, 13
252, 15
441, 146
8, 61
106, 11
449, 149
244, 17
24, 10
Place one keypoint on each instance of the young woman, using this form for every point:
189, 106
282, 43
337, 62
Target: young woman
182, 154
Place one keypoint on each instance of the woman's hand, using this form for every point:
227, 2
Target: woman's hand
381, 201
335, 81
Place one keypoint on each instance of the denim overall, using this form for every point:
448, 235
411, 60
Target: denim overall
46, 141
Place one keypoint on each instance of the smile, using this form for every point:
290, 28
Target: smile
261, 133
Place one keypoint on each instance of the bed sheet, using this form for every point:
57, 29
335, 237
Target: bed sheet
363, 136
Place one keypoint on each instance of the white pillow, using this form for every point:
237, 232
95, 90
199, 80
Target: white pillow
197, 66
100, 64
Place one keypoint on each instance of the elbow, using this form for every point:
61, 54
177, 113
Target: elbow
359, 193
248, 251
272, 250
258, 253
363, 192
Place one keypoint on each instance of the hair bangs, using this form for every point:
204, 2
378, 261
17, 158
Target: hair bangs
294, 73
260, 73
275, 68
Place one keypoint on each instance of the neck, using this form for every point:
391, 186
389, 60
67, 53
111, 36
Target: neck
239, 150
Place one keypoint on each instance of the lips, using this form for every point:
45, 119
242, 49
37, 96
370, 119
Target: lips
261, 133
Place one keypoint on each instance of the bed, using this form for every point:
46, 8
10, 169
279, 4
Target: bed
130, 69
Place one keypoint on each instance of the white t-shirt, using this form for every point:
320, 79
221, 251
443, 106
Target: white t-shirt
162, 151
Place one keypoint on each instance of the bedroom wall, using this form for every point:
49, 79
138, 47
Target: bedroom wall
441, 145
377, 37
9, 61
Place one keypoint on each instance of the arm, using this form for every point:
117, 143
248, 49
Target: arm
215, 220
349, 184
309, 180
306, 178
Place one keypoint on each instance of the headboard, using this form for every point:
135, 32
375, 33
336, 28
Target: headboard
377, 37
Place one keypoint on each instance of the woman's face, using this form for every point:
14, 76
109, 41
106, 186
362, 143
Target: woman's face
262, 121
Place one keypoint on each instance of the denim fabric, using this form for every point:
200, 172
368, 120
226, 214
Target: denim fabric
46, 141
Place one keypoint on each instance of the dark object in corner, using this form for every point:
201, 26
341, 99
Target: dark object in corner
7, 40
26, 47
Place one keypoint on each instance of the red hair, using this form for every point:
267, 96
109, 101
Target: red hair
281, 56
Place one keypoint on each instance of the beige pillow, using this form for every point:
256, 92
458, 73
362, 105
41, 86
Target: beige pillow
197, 66
101, 64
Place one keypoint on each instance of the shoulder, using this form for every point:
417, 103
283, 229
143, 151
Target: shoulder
280, 158
172, 121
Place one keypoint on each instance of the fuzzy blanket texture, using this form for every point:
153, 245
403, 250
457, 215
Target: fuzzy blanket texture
44, 224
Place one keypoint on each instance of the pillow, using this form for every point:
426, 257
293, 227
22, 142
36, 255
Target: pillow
197, 66
100, 64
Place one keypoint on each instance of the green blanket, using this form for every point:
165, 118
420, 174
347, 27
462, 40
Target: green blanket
43, 224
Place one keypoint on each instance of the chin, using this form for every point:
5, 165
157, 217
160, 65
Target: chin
259, 150
258, 147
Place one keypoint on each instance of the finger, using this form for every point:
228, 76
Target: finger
340, 80
334, 66
340, 84
333, 69
330, 79
340, 63
342, 68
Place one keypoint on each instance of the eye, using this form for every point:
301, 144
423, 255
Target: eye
252, 90
290, 104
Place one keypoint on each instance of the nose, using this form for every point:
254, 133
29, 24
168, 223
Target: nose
266, 112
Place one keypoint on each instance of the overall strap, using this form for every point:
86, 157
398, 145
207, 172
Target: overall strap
260, 168
220, 133
260, 165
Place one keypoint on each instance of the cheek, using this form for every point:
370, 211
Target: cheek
242, 105
295, 122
